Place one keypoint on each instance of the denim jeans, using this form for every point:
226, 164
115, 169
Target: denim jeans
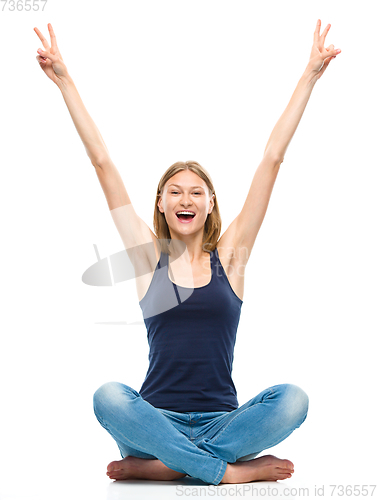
199, 444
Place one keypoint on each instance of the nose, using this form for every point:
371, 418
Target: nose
185, 202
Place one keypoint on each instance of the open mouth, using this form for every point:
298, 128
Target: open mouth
185, 218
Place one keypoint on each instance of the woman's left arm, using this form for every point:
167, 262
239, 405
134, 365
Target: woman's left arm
242, 232
286, 126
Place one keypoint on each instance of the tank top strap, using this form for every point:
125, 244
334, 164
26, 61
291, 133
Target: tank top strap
214, 255
163, 261
215, 262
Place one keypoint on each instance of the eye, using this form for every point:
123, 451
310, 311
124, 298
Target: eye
175, 192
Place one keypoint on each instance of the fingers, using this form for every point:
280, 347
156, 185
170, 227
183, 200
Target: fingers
42, 38
53, 37
46, 54
317, 36
54, 46
325, 32
331, 51
42, 61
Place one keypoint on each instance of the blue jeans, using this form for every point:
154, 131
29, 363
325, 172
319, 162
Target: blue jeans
199, 444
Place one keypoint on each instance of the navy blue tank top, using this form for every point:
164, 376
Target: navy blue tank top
191, 334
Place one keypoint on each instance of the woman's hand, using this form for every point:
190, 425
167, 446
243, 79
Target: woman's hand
320, 56
50, 59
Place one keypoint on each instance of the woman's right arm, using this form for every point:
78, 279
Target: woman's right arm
107, 173
90, 135
133, 230
51, 62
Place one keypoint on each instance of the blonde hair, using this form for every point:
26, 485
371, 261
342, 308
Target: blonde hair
213, 222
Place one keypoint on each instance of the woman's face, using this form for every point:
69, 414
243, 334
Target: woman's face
185, 191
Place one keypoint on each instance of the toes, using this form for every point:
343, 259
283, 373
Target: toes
284, 471
285, 475
113, 471
288, 464
114, 475
113, 466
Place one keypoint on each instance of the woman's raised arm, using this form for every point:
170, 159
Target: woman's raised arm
133, 230
286, 126
51, 62
242, 232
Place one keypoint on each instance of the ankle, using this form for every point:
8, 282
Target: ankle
229, 474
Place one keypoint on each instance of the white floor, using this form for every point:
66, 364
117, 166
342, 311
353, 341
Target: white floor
138, 489
187, 487
308, 484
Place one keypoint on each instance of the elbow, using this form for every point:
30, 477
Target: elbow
99, 161
275, 159
95, 164
278, 160
274, 156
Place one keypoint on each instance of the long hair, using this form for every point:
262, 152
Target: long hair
213, 222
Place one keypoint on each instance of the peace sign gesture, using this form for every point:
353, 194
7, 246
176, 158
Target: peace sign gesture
320, 56
50, 59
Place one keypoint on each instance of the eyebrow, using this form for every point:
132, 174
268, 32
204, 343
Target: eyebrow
178, 185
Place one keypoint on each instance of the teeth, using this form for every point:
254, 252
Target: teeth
185, 213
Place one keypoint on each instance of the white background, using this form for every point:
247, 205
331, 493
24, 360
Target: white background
187, 80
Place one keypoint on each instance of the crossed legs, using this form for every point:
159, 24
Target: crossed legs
154, 449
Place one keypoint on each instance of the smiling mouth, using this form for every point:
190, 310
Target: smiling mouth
185, 219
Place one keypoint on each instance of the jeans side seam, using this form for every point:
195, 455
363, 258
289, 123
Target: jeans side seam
220, 470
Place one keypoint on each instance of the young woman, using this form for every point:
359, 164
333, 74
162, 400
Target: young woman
185, 419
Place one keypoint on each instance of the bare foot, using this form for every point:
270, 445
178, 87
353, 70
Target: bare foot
266, 468
141, 468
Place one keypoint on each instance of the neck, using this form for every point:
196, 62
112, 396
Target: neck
189, 245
